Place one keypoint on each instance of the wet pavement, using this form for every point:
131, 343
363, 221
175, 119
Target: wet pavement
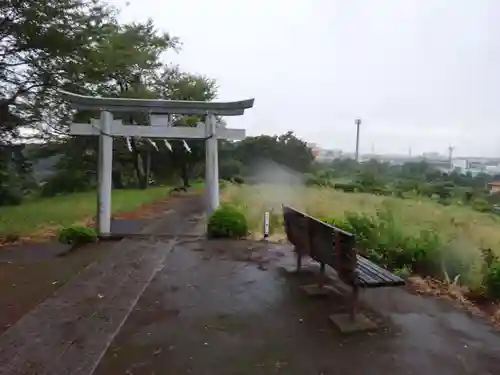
68, 332
230, 308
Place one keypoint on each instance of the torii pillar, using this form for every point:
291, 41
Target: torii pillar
211, 164
161, 111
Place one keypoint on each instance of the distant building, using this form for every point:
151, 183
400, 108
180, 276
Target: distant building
494, 187
323, 155
314, 148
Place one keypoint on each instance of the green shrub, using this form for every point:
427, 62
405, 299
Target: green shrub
403, 272
223, 184
227, 222
481, 205
238, 180
76, 235
349, 188
332, 220
377, 190
10, 196
492, 280
422, 252
67, 182
313, 180
381, 239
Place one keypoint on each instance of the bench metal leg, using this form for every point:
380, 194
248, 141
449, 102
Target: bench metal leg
299, 261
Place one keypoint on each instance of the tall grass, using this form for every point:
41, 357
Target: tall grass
463, 233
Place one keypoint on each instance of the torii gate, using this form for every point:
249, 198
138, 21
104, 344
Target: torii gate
161, 114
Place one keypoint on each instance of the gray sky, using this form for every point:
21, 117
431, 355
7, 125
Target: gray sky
420, 73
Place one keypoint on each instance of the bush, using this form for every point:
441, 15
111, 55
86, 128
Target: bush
227, 222
10, 196
383, 241
403, 272
76, 235
349, 188
66, 182
313, 180
492, 280
337, 222
481, 205
223, 184
238, 180
377, 190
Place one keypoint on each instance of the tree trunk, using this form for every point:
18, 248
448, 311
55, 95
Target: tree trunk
138, 165
117, 179
147, 169
185, 175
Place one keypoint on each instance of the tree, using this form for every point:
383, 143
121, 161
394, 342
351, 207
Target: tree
44, 44
286, 150
125, 62
174, 84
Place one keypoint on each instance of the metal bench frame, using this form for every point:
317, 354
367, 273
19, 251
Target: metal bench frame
329, 245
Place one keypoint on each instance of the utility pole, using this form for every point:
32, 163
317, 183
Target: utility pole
357, 122
450, 155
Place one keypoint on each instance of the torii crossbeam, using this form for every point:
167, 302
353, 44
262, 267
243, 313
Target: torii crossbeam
161, 112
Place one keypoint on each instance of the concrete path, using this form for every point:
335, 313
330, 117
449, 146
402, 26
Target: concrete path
227, 308
69, 332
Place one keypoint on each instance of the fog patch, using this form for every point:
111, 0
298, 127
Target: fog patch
276, 183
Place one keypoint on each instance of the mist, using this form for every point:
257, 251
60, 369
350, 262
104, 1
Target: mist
276, 183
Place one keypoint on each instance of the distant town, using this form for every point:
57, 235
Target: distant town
445, 163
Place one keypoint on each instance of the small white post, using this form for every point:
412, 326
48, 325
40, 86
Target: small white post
104, 174
212, 164
266, 226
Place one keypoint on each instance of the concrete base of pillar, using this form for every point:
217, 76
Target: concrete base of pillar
315, 291
346, 324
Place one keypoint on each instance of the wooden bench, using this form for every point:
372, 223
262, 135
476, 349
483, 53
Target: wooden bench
335, 247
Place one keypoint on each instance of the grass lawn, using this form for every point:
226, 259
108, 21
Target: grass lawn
48, 214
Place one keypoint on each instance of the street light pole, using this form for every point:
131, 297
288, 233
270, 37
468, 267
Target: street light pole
357, 122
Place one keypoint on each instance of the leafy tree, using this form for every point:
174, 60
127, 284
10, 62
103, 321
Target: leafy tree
16, 174
45, 44
286, 150
125, 62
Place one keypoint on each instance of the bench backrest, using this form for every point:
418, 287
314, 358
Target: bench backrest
323, 242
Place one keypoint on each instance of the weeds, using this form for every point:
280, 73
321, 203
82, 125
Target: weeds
408, 236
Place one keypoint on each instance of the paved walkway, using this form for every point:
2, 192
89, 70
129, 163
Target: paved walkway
69, 332
227, 308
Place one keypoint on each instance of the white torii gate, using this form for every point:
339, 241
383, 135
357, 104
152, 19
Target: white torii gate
161, 114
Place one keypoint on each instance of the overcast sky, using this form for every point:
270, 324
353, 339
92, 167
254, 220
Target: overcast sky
420, 73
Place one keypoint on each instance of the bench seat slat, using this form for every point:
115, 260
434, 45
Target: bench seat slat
387, 275
371, 276
368, 266
364, 279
